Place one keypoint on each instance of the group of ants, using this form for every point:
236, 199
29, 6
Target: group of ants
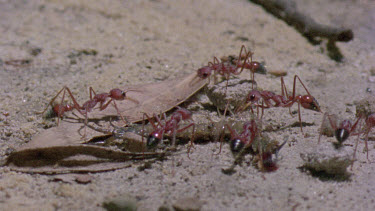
256, 99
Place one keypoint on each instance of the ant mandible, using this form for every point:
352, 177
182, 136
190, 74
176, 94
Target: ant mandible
113, 95
283, 100
170, 127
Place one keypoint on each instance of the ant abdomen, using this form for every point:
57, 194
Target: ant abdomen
152, 141
236, 145
341, 135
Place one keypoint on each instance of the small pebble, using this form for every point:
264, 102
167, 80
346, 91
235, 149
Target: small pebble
121, 203
325, 157
188, 204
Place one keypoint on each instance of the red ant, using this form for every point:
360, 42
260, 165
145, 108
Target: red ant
346, 129
283, 100
246, 138
88, 106
225, 69
342, 131
240, 143
170, 127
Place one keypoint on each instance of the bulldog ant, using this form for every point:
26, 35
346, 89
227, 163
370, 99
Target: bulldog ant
225, 69
239, 141
270, 99
170, 127
113, 95
342, 131
346, 129
249, 64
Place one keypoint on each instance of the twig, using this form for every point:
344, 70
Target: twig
287, 11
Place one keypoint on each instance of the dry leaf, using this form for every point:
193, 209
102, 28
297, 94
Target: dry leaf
62, 150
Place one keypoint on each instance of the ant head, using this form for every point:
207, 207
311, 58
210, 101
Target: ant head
309, 102
341, 134
269, 165
117, 94
153, 140
236, 145
253, 96
204, 72
59, 109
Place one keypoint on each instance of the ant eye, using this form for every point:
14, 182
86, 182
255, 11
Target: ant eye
123, 94
252, 97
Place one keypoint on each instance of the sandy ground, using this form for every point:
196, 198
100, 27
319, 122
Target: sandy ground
149, 41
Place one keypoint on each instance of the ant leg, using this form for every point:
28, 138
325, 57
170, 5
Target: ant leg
261, 116
102, 107
223, 131
284, 91
294, 85
321, 126
226, 87
192, 137
252, 71
60, 113
307, 91
164, 117
52, 100
355, 124
76, 105
221, 140
243, 63
299, 115
91, 90
366, 141
124, 119
84, 131
367, 131
216, 60
331, 122
150, 120
143, 129
174, 132
243, 48
355, 150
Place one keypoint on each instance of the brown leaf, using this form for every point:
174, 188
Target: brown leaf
154, 98
62, 150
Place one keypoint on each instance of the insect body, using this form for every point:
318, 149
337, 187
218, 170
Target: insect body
103, 99
234, 67
170, 127
270, 99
